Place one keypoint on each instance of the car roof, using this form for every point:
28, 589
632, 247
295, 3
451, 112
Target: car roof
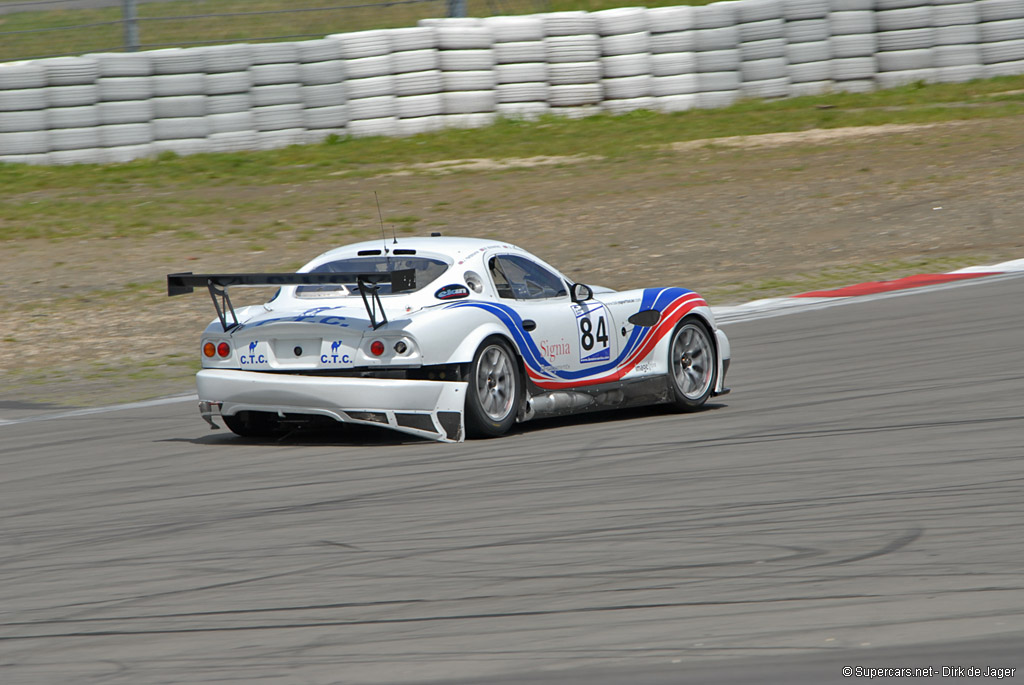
451, 246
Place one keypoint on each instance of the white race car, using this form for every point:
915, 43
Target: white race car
444, 337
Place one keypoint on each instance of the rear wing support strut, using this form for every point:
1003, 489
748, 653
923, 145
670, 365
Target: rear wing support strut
372, 305
222, 303
402, 280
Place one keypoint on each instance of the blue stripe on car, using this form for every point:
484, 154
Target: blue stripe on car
653, 298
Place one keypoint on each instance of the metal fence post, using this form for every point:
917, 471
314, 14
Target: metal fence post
456, 8
130, 22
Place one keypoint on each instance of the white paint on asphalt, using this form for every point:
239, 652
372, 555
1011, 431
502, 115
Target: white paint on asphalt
100, 410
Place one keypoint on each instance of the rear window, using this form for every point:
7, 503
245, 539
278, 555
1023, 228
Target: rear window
427, 270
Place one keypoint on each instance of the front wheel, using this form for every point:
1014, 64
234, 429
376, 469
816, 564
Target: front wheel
693, 364
495, 391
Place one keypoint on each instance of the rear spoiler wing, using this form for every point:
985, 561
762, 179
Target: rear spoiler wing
369, 286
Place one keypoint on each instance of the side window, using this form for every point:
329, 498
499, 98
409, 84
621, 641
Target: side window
501, 283
524, 279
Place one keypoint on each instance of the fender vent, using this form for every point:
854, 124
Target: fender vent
646, 318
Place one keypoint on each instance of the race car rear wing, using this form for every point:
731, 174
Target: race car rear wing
401, 280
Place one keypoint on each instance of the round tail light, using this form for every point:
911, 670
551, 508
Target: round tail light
223, 349
209, 349
376, 348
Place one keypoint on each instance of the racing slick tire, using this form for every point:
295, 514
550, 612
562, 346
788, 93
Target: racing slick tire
254, 424
495, 390
692, 363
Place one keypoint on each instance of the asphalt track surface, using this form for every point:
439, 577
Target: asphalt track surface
857, 501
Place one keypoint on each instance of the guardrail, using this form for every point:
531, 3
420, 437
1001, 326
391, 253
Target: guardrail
462, 72
36, 29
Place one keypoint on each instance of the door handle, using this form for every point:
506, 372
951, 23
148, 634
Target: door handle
529, 324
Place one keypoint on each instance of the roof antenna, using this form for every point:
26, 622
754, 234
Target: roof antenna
381, 217
394, 238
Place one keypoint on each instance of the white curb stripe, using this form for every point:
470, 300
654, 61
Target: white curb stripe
1006, 267
779, 306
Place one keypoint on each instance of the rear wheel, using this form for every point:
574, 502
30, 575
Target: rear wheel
495, 391
254, 424
692, 363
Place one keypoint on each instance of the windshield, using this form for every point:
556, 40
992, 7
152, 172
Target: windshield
426, 268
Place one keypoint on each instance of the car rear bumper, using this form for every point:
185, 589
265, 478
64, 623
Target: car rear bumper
428, 409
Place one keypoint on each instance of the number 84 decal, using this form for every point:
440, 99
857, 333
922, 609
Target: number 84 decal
592, 327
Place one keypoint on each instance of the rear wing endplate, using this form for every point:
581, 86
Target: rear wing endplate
402, 280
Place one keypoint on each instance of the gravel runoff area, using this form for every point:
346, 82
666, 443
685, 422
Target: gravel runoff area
729, 218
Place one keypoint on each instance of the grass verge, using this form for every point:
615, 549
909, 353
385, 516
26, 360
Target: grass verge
87, 201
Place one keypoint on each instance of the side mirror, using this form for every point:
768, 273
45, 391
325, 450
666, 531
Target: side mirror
581, 293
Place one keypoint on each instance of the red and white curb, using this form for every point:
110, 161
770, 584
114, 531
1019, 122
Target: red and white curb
818, 299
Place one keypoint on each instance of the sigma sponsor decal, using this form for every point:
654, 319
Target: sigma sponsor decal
454, 291
592, 327
553, 350
252, 357
334, 357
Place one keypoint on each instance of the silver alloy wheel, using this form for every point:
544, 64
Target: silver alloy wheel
693, 358
495, 382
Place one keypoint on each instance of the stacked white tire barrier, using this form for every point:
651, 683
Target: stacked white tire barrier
956, 55
572, 48
369, 83
229, 118
276, 95
673, 59
321, 93
809, 48
906, 40
24, 126
625, 59
520, 68
73, 118
466, 54
179, 101
854, 44
763, 63
417, 80
115, 107
125, 108
717, 40
1002, 36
